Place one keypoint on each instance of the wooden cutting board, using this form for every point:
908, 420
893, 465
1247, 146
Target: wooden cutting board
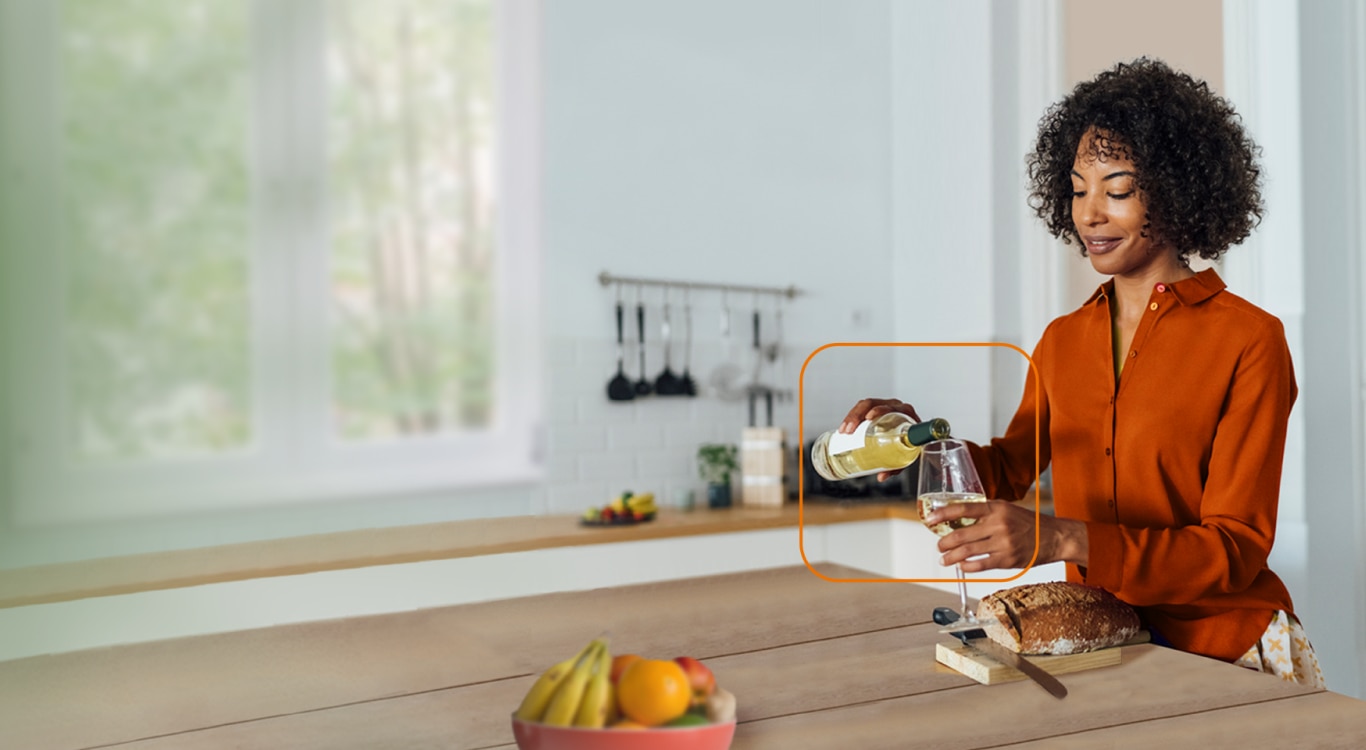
986, 670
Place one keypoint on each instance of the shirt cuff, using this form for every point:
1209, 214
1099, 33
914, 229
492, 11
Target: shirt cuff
1104, 556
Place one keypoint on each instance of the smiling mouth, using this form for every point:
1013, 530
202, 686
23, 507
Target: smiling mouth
1101, 245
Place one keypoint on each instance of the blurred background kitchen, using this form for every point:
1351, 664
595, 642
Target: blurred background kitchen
273, 269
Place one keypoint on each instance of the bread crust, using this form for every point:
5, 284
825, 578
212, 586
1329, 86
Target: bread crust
1057, 618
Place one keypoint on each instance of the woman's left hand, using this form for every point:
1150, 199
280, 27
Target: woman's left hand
1003, 537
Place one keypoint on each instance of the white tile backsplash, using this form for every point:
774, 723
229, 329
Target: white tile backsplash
577, 438
667, 465
607, 466
598, 447
569, 496
635, 436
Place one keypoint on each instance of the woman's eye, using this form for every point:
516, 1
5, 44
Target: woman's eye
1120, 196
1078, 193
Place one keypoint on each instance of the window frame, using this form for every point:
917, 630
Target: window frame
294, 457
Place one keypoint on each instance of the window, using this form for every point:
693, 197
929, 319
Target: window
258, 251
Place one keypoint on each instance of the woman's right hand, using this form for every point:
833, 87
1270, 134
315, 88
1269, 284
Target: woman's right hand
872, 408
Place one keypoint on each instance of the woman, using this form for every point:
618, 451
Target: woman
1163, 400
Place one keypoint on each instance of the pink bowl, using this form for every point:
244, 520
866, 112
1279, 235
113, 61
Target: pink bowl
533, 736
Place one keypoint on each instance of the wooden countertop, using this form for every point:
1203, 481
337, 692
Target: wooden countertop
814, 665
406, 544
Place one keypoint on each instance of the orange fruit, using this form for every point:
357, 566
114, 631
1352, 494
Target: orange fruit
653, 691
620, 663
628, 724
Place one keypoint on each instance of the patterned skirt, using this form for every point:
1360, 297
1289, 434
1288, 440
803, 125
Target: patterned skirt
1284, 650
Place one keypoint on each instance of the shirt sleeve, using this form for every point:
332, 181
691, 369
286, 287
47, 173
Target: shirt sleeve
1230, 545
1006, 465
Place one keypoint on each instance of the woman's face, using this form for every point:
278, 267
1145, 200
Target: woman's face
1109, 212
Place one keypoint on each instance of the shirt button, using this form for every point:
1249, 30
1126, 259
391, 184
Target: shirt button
1153, 306
1133, 354
1107, 451
1161, 288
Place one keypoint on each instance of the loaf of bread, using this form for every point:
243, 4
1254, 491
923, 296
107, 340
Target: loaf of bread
1057, 618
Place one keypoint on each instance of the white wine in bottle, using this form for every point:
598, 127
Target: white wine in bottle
890, 442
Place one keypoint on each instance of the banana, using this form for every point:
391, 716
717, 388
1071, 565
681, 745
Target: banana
642, 503
597, 696
538, 697
564, 705
618, 504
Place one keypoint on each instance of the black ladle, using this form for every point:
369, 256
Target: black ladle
686, 382
667, 384
619, 388
643, 387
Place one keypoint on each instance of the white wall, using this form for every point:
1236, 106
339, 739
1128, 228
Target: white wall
1332, 40
1262, 74
941, 182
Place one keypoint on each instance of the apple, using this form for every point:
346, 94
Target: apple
700, 678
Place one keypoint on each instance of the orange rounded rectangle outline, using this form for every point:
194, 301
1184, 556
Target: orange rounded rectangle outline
802, 458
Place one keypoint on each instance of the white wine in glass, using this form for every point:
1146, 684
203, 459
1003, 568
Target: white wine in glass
936, 500
948, 476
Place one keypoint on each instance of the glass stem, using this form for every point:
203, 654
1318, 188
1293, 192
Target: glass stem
963, 596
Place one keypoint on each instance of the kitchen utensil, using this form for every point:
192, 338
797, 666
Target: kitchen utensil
758, 349
978, 640
963, 626
619, 388
755, 393
686, 382
667, 384
643, 387
724, 379
774, 351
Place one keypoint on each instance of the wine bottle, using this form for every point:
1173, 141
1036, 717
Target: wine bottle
890, 442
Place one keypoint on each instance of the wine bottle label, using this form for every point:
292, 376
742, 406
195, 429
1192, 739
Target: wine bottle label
841, 443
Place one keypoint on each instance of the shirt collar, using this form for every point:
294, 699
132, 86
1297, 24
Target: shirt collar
1192, 291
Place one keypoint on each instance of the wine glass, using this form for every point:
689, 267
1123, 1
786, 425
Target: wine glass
948, 476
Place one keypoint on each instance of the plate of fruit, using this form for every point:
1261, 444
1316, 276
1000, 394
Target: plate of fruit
624, 509
595, 701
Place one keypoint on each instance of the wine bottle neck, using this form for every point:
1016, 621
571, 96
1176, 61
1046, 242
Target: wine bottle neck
927, 431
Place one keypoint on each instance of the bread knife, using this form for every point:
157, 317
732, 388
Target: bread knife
978, 639
963, 626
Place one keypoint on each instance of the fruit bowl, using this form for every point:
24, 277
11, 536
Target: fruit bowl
531, 735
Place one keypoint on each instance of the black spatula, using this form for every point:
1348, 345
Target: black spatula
643, 386
619, 388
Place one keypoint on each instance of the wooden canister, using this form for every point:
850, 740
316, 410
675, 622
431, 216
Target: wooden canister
763, 465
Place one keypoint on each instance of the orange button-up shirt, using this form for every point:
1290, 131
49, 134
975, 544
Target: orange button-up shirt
1175, 467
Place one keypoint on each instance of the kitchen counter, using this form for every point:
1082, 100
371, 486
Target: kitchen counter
813, 664
387, 546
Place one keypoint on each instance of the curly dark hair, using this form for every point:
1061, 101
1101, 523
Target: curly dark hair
1196, 168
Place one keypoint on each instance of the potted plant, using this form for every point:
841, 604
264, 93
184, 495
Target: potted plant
715, 462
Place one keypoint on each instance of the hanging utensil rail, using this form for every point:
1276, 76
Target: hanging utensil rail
607, 279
